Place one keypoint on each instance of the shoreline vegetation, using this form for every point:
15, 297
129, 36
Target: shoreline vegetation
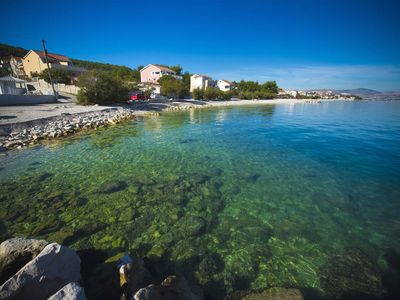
21, 133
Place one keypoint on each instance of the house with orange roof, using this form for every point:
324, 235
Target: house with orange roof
152, 73
35, 62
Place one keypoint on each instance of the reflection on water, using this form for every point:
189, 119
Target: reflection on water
234, 198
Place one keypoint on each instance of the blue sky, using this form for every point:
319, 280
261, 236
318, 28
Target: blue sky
298, 43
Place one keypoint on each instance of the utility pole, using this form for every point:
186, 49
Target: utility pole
48, 68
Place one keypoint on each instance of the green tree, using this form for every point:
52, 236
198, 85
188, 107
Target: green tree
248, 86
177, 69
198, 94
125, 73
172, 88
186, 80
211, 93
57, 75
99, 87
4, 72
271, 87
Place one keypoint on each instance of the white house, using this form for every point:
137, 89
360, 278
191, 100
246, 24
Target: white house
12, 86
198, 81
225, 85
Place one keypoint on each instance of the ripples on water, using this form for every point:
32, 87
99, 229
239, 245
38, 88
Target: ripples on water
303, 195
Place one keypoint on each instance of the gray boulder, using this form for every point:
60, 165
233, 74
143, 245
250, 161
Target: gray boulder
71, 291
15, 253
43, 276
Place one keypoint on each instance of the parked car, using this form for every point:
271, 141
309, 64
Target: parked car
136, 96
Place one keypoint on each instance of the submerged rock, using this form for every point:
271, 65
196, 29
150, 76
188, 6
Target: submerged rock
251, 177
44, 176
350, 271
216, 172
112, 187
191, 225
15, 253
199, 179
275, 293
43, 276
208, 267
173, 287
156, 252
49, 225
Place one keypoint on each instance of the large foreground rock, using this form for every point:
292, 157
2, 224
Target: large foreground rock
52, 269
71, 291
15, 253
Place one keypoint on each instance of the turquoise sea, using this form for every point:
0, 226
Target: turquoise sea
235, 198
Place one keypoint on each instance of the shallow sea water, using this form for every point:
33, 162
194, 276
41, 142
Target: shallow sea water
298, 195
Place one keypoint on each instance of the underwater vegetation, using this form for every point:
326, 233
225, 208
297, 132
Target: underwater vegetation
233, 199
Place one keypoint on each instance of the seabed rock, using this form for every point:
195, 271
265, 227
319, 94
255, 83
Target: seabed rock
112, 187
191, 225
350, 271
173, 287
275, 293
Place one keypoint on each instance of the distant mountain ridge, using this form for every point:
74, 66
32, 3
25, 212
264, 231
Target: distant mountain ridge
360, 92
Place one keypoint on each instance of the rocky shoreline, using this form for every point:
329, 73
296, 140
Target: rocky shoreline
37, 269
26, 134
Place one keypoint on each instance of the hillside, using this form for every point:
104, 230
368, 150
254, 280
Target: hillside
7, 50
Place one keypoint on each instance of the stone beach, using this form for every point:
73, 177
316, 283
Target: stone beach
64, 126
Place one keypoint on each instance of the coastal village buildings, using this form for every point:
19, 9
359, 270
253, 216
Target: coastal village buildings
225, 85
198, 81
152, 73
35, 62
17, 67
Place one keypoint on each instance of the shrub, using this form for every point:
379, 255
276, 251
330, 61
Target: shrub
57, 75
172, 87
211, 93
101, 88
198, 94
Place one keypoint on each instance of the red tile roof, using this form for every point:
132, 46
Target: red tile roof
164, 68
161, 67
52, 56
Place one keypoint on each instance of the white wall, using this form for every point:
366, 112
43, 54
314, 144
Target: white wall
25, 99
223, 86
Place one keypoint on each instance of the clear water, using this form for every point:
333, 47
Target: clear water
234, 198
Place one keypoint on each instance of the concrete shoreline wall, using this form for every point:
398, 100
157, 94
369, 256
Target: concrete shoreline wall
60, 87
26, 99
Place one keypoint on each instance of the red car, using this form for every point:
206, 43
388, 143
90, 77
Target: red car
136, 96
